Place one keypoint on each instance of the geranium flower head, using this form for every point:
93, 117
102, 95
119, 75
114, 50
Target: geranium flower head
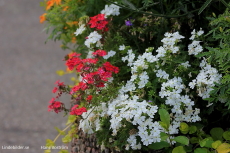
99, 53
75, 110
56, 106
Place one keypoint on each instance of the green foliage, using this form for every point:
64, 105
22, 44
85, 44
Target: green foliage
165, 118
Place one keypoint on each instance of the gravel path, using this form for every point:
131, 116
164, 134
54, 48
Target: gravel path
27, 76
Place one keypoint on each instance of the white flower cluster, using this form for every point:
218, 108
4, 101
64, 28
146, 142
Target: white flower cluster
129, 109
111, 10
194, 33
94, 37
91, 119
80, 30
172, 91
194, 48
170, 40
205, 79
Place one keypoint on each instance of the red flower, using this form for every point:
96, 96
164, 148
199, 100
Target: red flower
89, 98
99, 53
77, 111
110, 68
55, 105
99, 22
59, 83
81, 86
73, 60
55, 90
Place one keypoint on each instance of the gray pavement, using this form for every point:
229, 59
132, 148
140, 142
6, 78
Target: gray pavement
27, 75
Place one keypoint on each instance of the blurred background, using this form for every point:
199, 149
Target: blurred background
27, 75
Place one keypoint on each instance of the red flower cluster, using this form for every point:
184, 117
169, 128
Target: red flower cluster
55, 105
99, 53
77, 111
99, 22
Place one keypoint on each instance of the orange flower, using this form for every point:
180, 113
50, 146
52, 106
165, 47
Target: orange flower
71, 23
42, 18
73, 40
65, 8
58, 2
49, 4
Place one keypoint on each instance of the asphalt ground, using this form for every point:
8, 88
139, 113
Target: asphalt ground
27, 75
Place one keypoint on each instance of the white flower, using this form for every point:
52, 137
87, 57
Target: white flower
93, 38
111, 10
109, 54
200, 32
80, 30
186, 64
122, 47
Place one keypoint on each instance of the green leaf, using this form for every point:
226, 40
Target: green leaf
60, 131
71, 119
216, 144
63, 151
159, 145
179, 149
182, 139
207, 142
49, 143
192, 129
66, 139
47, 151
217, 133
164, 136
184, 128
226, 135
194, 140
200, 150
204, 6
165, 117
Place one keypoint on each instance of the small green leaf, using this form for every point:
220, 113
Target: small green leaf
164, 136
182, 139
66, 139
217, 133
63, 151
192, 129
216, 144
47, 151
194, 140
184, 128
179, 149
200, 150
71, 119
226, 135
165, 117
60, 131
49, 143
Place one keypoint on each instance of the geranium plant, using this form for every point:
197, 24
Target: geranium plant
136, 93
